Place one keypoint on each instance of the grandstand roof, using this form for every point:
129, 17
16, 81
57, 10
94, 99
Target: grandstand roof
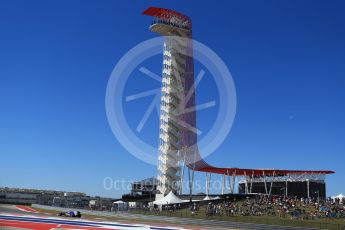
256, 172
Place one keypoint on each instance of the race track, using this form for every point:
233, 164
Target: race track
23, 217
18, 217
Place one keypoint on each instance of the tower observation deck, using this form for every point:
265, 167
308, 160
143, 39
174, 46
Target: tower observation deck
177, 129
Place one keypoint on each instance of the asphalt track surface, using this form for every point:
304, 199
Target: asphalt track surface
23, 217
28, 219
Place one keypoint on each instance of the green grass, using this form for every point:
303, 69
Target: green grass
322, 223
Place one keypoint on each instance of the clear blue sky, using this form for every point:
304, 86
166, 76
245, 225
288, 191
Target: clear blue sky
287, 59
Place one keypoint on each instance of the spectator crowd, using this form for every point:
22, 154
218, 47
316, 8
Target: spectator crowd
291, 207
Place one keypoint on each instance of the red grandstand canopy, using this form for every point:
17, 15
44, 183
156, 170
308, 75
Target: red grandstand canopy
257, 172
203, 166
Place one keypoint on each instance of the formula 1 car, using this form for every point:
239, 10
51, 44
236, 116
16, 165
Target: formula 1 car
70, 214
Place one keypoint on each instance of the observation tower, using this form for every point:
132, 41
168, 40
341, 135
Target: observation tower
178, 134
